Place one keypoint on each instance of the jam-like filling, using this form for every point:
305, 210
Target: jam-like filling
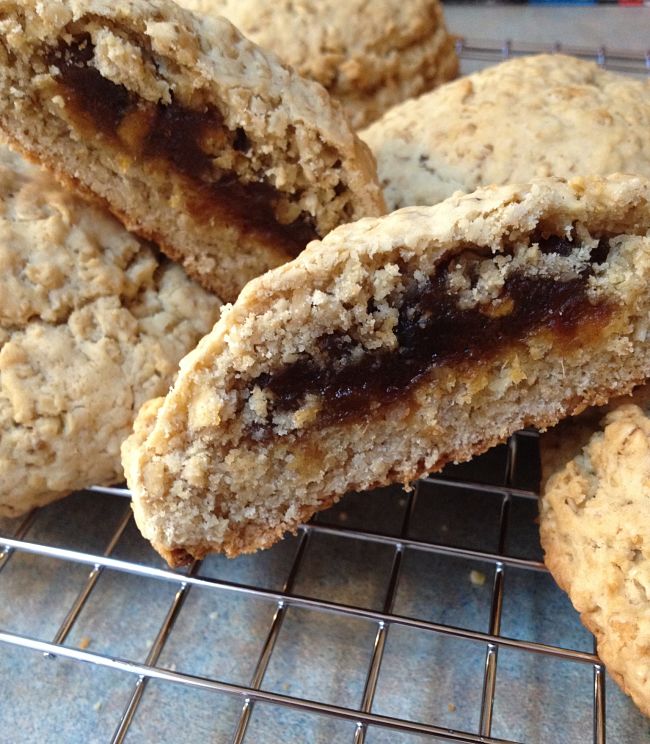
432, 330
174, 134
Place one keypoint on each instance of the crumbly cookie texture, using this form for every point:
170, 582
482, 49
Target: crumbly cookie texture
595, 529
92, 324
529, 117
391, 348
563, 442
368, 55
190, 133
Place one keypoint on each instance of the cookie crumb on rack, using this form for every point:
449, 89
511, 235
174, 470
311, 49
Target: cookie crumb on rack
477, 577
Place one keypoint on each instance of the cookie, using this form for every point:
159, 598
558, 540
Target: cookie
595, 530
191, 134
529, 117
368, 55
566, 440
393, 347
93, 322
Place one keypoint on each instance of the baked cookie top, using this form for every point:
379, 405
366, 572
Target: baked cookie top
595, 529
359, 50
392, 347
92, 323
528, 117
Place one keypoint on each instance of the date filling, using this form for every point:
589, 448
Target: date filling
178, 137
433, 330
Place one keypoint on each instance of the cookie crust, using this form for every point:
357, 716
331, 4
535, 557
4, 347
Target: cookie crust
368, 55
93, 322
528, 117
595, 530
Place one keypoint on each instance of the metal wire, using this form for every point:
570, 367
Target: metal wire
295, 600
271, 638
382, 628
613, 59
384, 619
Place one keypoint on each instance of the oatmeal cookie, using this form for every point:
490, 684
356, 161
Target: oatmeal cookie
369, 55
93, 322
391, 348
187, 131
529, 117
595, 530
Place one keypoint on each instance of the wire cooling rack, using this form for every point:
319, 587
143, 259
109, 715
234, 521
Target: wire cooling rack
490, 52
393, 617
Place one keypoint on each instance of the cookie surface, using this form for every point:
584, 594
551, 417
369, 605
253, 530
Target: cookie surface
190, 133
595, 529
368, 55
395, 346
529, 117
92, 324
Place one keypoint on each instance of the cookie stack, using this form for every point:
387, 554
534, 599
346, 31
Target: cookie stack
509, 289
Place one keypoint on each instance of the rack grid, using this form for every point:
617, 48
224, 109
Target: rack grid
480, 538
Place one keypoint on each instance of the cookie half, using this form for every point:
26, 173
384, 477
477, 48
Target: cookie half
529, 117
369, 56
93, 322
393, 347
191, 134
595, 530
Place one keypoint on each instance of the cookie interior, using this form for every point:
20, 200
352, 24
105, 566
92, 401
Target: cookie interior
191, 143
439, 323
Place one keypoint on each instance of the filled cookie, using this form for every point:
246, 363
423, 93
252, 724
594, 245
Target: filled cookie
595, 530
529, 117
187, 131
391, 348
93, 322
368, 55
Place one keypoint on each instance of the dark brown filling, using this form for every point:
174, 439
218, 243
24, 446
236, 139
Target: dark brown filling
432, 330
174, 134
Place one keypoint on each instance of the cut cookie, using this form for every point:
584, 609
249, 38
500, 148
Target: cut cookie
595, 530
393, 347
529, 117
93, 323
370, 56
190, 133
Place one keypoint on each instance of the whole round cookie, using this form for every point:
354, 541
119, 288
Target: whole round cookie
529, 117
93, 322
369, 55
595, 530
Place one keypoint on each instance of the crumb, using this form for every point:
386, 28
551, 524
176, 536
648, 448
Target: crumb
97, 705
84, 643
343, 517
213, 615
477, 578
451, 707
